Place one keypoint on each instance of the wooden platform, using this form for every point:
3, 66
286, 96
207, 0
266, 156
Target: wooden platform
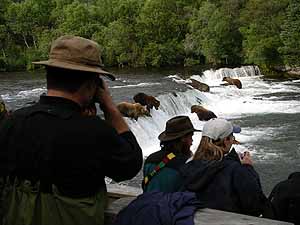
121, 196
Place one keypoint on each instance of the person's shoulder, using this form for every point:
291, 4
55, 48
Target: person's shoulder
294, 176
232, 162
23, 110
195, 166
94, 123
293, 182
155, 156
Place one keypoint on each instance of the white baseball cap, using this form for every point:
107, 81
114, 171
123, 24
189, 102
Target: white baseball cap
218, 128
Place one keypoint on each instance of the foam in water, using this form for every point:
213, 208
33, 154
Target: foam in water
136, 85
256, 97
225, 101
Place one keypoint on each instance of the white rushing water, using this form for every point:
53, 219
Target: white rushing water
225, 101
257, 97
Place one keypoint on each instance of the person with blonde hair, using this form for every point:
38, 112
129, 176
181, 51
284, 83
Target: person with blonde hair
221, 178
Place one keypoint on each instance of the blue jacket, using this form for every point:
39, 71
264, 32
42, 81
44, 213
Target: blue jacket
226, 185
158, 208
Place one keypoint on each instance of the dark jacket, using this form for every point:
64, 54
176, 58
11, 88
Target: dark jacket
285, 198
167, 179
226, 185
51, 143
158, 208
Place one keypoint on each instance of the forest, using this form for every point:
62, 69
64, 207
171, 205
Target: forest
156, 33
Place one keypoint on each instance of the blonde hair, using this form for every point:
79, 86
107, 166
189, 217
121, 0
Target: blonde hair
209, 149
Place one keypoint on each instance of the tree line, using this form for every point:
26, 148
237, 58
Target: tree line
147, 33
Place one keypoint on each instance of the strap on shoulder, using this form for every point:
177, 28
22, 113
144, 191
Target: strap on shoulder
157, 168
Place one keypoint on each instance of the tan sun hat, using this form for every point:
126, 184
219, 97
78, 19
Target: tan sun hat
177, 127
76, 53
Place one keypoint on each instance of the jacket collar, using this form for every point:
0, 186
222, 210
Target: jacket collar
60, 102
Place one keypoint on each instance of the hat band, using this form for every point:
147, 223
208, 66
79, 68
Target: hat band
75, 61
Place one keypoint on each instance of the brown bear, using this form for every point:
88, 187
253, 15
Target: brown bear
202, 113
147, 100
132, 110
199, 85
232, 81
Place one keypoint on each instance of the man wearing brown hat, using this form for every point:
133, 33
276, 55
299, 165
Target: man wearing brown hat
53, 159
161, 168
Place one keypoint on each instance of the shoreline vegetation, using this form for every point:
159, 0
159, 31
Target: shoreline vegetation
158, 33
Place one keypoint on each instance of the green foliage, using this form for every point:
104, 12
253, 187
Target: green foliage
169, 53
261, 22
290, 34
162, 25
155, 32
78, 19
119, 39
214, 33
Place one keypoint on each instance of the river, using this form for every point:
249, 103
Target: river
268, 111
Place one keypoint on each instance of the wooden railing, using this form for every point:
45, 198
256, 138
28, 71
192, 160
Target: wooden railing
120, 196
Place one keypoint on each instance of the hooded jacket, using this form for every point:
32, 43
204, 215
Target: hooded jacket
226, 185
159, 208
285, 198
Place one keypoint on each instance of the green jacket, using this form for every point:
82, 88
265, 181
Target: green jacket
28, 206
167, 179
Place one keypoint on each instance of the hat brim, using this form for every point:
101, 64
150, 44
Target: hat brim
73, 66
167, 137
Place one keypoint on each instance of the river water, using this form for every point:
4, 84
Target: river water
268, 111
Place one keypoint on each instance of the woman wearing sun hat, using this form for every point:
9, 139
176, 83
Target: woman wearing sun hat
221, 180
161, 167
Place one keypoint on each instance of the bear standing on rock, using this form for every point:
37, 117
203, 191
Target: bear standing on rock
132, 110
147, 100
232, 81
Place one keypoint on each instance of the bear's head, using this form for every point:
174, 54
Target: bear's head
141, 110
152, 101
225, 79
193, 108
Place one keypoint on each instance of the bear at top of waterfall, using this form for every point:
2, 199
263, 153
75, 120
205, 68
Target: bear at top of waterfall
233, 81
132, 110
147, 100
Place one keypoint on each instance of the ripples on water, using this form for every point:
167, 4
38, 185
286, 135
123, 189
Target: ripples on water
267, 111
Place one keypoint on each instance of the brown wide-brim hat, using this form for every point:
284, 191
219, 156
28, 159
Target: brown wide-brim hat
76, 53
177, 127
